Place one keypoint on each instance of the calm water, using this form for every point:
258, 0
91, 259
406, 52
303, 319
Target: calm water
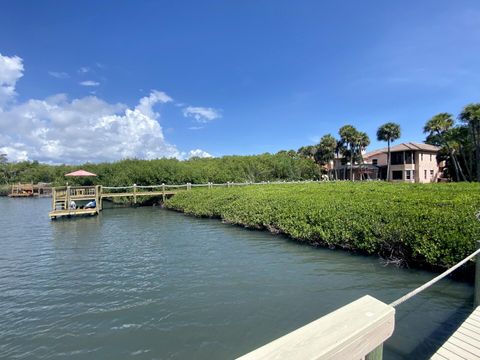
147, 283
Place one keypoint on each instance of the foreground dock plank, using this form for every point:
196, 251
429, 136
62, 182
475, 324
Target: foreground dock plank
464, 344
72, 212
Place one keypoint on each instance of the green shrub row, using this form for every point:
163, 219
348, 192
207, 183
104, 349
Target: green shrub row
432, 224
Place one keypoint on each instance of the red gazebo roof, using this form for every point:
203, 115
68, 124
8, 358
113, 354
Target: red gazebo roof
80, 173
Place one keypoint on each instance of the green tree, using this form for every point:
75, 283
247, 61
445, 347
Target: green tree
439, 128
388, 132
307, 152
350, 138
325, 150
471, 116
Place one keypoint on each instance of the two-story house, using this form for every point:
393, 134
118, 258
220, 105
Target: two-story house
410, 162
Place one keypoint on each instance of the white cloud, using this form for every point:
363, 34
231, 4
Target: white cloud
201, 114
60, 130
11, 69
59, 75
89, 83
84, 70
198, 153
14, 154
146, 103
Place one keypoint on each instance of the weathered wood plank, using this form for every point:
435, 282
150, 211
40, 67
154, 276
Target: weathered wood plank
447, 354
464, 343
350, 332
145, 193
464, 354
438, 356
468, 336
71, 212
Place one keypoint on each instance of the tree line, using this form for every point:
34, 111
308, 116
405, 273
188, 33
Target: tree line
458, 139
459, 143
255, 168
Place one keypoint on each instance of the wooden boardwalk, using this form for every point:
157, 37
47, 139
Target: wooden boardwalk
67, 200
464, 344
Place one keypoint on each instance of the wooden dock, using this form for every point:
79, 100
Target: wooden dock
464, 344
63, 196
69, 201
30, 190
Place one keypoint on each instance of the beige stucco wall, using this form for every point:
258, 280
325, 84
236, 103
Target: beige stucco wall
427, 162
381, 159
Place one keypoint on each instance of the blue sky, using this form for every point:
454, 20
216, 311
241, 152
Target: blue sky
257, 76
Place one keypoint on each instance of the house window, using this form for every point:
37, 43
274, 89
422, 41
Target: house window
374, 161
425, 174
408, 174
409, 158
396, 158
431, 174
397, 175
421, 157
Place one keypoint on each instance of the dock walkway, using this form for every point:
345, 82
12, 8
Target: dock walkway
464, 344
64, 195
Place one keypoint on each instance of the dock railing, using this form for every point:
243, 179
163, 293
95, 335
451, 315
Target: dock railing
355, 331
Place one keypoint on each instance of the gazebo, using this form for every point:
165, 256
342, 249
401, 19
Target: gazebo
80, 173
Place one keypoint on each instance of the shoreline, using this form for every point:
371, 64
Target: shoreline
391, 229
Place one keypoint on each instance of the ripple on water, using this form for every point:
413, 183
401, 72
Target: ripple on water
148, 283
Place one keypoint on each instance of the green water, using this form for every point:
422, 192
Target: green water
147, 283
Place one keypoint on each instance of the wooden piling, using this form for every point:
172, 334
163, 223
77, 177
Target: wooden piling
67, 198
163, 192
376, 354
134, 193
100, 198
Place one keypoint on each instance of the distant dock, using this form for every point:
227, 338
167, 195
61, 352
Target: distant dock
31, 190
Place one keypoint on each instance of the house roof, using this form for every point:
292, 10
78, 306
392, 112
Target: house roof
408, 146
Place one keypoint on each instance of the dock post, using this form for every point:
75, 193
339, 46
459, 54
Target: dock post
163, 192
67, 198
54, 195
100, 198
134, 193
376, 354
477, 278
97, 199
189, 186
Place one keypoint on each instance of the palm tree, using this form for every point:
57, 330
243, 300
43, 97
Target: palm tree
325, 150
439, 127
388, 132
307, 152
348, 137
471, 116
